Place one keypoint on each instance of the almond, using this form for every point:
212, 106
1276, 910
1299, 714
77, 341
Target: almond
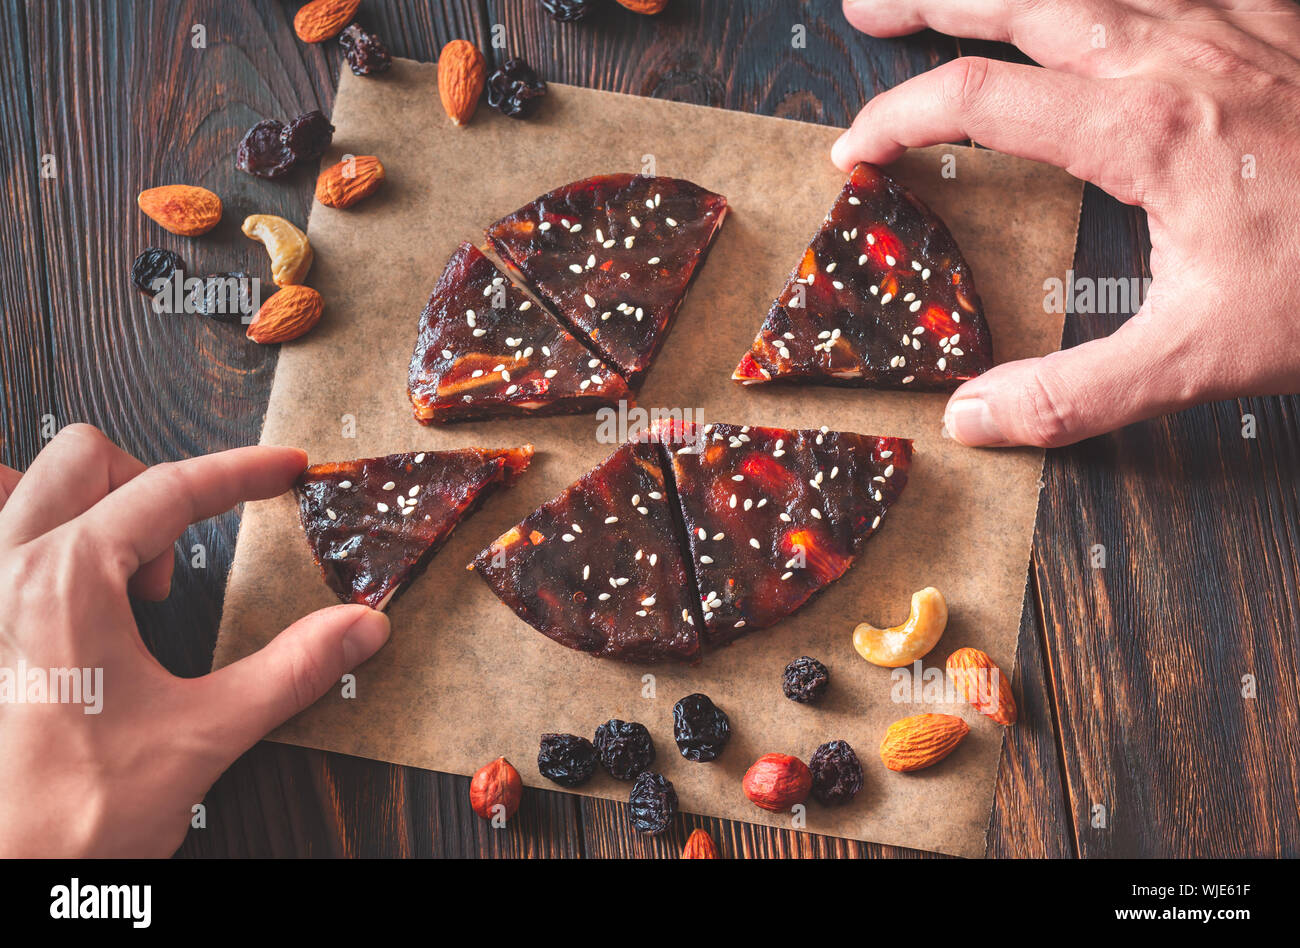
347, 182
286, 315
461, 75
319, 20
700, 846
982, 684
182, 208
917, 742
648, 7
777, 782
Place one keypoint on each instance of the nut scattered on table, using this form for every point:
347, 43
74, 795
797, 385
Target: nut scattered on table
648, 7
319, 20
983, 684
290, 252
777, 782
286, 315
344, 184
461, 75
496, 785
181, 208
921, 741
700, 846
903, 644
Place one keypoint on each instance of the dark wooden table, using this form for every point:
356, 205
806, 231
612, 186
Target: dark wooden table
1136, 736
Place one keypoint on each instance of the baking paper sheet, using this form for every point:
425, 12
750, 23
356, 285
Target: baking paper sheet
463, 680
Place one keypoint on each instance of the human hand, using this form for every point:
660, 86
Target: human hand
86, 522
1191, 110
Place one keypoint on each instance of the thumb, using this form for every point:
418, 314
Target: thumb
1073, 394
254, 695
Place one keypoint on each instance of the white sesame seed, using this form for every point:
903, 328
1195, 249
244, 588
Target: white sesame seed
544, 226
525, 306
670, 222
575, 268
382, 508
388, 486
346, 484
586, 571
706, 560
886, 298
331, 514
854, 201
648, 601
755, 544
603, 596
817, 514
587, 298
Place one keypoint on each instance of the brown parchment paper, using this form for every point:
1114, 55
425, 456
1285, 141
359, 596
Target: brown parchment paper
463, 680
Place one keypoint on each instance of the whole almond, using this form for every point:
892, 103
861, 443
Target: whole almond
777, 782
496, 784
920, 741
286, 315
982, 684
319, 20
461, 75
648, 7
347, 182
182, 208
700, 846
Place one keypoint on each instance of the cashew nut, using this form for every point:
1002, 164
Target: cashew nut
904, 644
290, 252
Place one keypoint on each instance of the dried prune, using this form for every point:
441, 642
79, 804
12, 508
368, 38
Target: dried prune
153, 264
514, 89
566, 11
836, 773
805, 680
625, 748
567, 759
653, 803
262, 151
224, 297
700, 728
308, 135
364, 51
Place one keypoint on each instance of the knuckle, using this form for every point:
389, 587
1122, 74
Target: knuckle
1046, 409
962, 82
307, 675
87, 437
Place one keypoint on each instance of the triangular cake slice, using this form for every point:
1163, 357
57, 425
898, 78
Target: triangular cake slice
374, 524
485, 349
614, 255
599, 568
881, 299
774, 515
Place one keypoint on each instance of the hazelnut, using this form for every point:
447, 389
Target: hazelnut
496, 785
777, 782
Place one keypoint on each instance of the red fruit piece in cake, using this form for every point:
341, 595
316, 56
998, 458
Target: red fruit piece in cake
485, 349
614, 255
374, 524
599, 568
774, 515
882, 298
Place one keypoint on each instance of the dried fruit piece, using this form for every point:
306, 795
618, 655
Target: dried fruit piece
515, 89
374, 524
882, 298
154, 264
614, 255
836, 773
496, 790
775, 515
566, 11
308, 136
921, 741
181, 208
700, 846
365, 52
461, 73
646, 7
344, 184
625, 748
224, 297
598, 568
652, 804
982, 683
287, 315
805, 680
263, 152
777, 782
567, 759
485, 349
903, 644
290, 252
700, 728
317, 21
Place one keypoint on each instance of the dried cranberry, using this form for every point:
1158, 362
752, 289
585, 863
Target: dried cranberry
625, 748
700, 728
514, 89
224, 297
567, 759
262, 151
836, 773
152, 265
653, 803
566, 11
805, 680
308, 135
364, 51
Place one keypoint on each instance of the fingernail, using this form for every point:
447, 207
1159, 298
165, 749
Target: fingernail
364, 637
839, 151
969, 421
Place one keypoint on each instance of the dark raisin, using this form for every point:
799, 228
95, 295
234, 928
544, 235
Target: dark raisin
308, 135
700, 728
365, 53
625, 748
805, 680
566, 11
653, 803
514, 89
152, 265
225, 297
566, 758
836, 773
262, 151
